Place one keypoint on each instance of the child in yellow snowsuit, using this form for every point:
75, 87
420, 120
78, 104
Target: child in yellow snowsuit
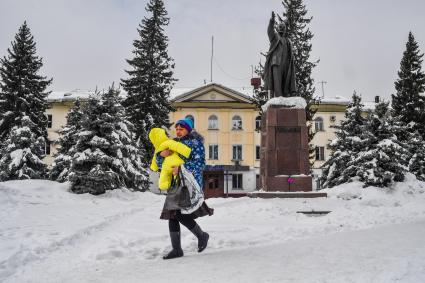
161, 142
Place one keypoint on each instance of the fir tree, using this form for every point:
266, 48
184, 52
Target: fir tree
296, 21
409, 100
22, 97
107, 156
150, 78
416, 163
345, 146
380, 162
23, 90
66, 143
20, 155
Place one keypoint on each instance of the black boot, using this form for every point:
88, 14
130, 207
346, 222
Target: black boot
202, 237
175, 243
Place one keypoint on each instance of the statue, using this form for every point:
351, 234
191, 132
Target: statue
279, 69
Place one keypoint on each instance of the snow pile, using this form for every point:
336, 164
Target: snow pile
337, 99
289, 102
51, 235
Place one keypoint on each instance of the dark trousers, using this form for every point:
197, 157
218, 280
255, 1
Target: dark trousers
185, 219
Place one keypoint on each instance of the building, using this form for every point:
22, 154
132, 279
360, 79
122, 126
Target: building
229, 122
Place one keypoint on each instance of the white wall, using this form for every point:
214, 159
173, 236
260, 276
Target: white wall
248, 181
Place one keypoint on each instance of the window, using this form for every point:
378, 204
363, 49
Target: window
213, 151
257, 152
49, 121
191, 118
320, 153
318, 124
237, 152
212, 122
258, 123
237, 181
236, 123
47, 148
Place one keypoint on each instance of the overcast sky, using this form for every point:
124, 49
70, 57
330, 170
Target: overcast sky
84, 43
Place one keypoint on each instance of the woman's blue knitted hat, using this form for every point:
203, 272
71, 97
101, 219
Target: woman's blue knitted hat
186, 123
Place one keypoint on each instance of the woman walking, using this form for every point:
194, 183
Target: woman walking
192, 172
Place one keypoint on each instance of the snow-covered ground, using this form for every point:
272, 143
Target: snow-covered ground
372, 235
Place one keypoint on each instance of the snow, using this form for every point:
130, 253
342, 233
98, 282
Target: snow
85, 133
69, 95
290, 102
295, 175
16, 157
371, 235
368, 105
341, 100
354, 139
388, 143
337, 99
98, 141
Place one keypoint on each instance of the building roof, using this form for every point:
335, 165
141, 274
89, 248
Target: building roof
213, 86
337, 99
179, 94
341, 100
69, 95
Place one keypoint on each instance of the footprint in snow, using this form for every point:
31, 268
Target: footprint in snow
110, 255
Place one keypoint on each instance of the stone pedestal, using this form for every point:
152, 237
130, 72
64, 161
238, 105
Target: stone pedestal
284, 150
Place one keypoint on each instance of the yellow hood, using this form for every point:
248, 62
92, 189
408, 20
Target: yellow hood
157, 136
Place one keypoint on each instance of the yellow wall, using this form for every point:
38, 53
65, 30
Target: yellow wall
322, 138
58, 110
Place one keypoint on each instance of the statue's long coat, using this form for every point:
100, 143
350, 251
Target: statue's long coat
280, 58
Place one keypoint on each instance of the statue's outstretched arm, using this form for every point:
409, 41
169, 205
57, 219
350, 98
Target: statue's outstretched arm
270, 29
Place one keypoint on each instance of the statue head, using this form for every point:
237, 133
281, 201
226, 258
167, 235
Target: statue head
281, 28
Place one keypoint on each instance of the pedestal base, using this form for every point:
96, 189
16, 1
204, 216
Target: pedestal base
301, 183
287, 195
285, 151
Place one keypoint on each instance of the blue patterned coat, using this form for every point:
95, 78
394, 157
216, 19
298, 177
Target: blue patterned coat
196, 161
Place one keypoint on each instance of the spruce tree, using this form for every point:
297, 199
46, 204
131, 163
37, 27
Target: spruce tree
381, 161
346, 145
296, 21
416, 163
260, 96
22, 97
409, 100
20, 155
107, 156
66, 143
150, 78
